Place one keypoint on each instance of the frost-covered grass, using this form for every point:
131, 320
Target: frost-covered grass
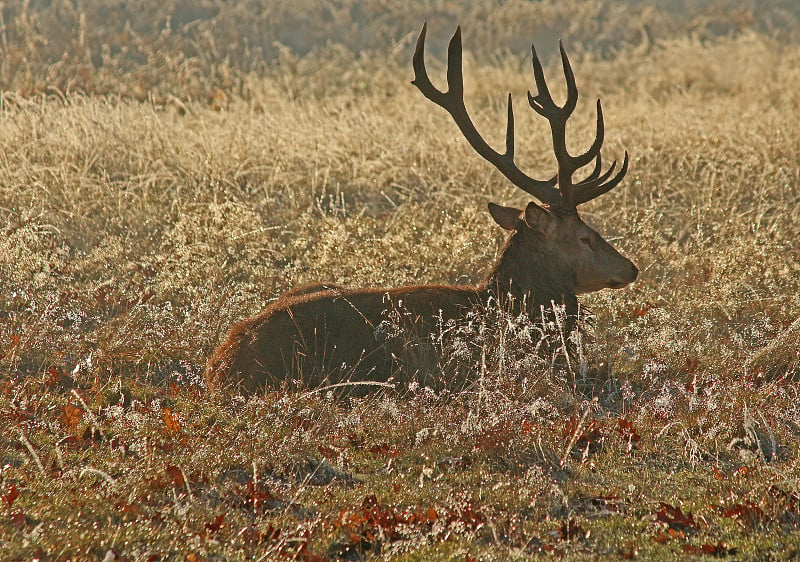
138, 228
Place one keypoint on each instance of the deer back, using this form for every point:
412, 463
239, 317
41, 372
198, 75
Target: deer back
332, 336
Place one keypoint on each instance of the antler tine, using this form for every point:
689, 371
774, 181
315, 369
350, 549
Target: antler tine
588, 191
510, 149
453, 102
593, 180
510, 129
592, 152
543, 104
455, 75
598, 165
569, 76
421, 79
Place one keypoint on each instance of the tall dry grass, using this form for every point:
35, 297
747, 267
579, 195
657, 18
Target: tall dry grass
137, 228
199, 50
181, 218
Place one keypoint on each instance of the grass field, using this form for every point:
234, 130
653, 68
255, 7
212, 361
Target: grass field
168, 170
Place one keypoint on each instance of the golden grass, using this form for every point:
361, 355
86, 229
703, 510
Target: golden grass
136, 232
183, 201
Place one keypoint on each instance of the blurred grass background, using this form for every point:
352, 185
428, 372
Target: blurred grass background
202, 50
168, 168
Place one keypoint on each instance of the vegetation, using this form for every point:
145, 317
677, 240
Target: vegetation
169, 169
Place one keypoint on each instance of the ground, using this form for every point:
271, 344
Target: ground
169, 171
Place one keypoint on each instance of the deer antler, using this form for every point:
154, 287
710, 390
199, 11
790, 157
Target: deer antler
568, 194
453, 102
595, 185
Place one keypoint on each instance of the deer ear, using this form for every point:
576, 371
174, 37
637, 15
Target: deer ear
537, 218
507, 217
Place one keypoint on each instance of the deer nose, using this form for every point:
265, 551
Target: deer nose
634, 272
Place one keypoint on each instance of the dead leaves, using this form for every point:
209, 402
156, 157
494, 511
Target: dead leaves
678, 525
260, 498
556, 539
708, 549
172, 427
71, 416
370, 526
10, 495
588, 437
748, 514
267, 509
676, 520
785, 507
216, 526
176, 475
628, 432
55, 377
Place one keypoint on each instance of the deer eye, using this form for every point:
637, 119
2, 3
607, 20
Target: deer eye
586, 240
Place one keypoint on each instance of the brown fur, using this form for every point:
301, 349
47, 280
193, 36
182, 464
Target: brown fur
311, 288
329, 336
312, 338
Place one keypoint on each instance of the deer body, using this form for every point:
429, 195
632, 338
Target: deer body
330, 336
336, 335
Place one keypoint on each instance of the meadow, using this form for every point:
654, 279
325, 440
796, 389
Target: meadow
168, 169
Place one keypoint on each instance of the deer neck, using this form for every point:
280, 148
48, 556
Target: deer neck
532, 277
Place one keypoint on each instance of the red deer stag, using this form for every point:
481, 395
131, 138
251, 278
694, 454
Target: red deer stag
551, 255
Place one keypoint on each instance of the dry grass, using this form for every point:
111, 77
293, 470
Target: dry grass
136, 232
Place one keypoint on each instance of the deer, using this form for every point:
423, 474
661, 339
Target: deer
327, 335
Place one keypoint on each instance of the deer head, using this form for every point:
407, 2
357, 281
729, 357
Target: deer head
584, 260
